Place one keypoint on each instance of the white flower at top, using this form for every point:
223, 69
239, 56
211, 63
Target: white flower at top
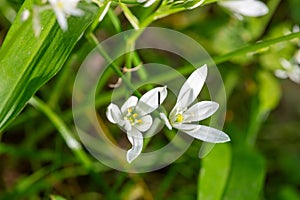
249, 8
134, 117
186, 119
290, 70
148, 2
63, 9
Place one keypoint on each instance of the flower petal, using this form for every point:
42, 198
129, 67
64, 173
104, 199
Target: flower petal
286, 64
61, 19
113, 113
145, 124
136, 139
200, 111
149, 3
151, 100
74, 11
250, 8
192, 87
131, 102
281, 74
295, 74
186, 127
208, 134
165, 119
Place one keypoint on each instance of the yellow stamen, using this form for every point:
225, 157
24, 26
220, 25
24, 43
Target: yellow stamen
139, 121
60, 4
129, 110
179, 118
135, 115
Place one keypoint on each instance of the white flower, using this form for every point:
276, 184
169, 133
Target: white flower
185, 118
249, 8
25, 15
64, 8
290, 70
134, 117
148, 2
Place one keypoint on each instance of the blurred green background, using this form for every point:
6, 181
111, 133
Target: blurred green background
263, 117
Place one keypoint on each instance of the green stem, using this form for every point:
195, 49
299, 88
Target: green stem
254, 47
92, 39
67, 135
185, 69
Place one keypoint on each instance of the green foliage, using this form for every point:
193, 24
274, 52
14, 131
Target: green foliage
38, 161
28, 62
247, 175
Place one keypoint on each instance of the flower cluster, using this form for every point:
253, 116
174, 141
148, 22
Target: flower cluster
134, 116
61, 8
249, 8
65, 8
291, 69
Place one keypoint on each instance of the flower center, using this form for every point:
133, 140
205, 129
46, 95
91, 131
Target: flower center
179, 118
132, 117
60, 4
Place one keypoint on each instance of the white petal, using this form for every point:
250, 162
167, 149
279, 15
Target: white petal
136, 139
297, 56
186, 127
145, 123
61, 19
113, 113
285, 63
75, 12
126, 124
250, 8
281, 74
208, 134
192, 87
165, 119
295, 74
131, 102
200, 111
149, 3
151, 100
25, 15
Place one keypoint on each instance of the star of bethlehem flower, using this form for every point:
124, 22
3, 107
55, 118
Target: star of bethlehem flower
249, 8
134, 117
290, 70
186, 118
63, 9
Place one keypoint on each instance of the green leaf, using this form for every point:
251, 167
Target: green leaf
214, 173
27, 62
247, 175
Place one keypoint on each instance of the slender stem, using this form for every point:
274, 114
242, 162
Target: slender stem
92, 39
65, 132
186, 69
255, 47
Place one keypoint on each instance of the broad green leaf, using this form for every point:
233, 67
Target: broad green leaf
214, 173
246, 176
27, 62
